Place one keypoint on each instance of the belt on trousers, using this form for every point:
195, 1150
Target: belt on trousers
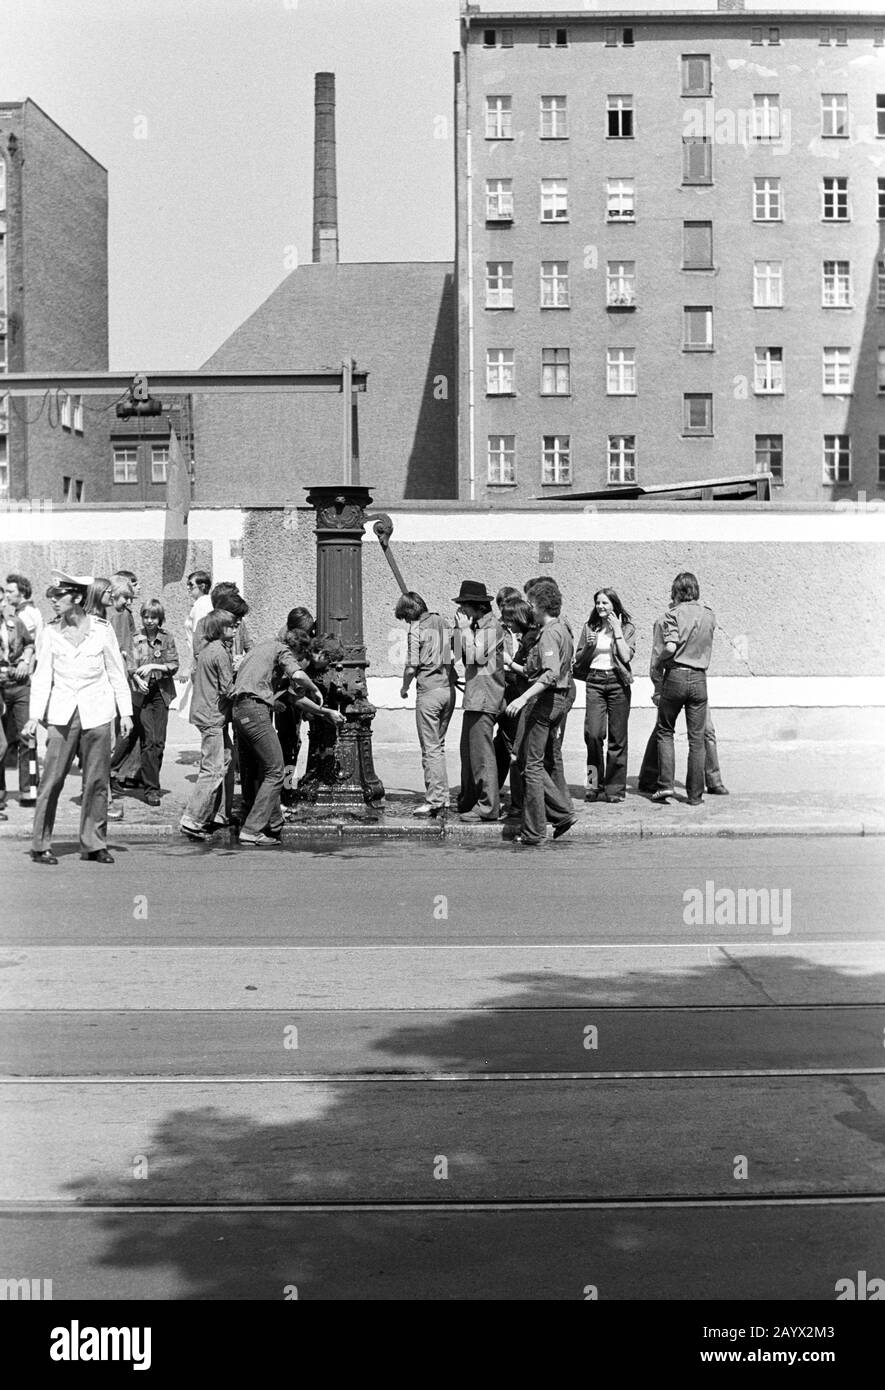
684, 666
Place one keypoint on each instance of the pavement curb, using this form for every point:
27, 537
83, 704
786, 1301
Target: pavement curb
586, 833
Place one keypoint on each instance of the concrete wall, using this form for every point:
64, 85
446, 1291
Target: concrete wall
797, 594
799, 70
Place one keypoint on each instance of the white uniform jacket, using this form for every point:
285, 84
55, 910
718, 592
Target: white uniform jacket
90, 678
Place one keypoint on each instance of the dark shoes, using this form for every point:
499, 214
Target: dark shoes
591, 794
698, 801
43, 856
152, 798
98, 856
719, 790
564, 826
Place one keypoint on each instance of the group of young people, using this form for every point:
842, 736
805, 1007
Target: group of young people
520, 668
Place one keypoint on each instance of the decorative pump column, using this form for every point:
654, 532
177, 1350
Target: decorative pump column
344, 778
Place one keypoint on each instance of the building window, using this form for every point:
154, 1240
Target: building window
697, 159
125, 465
770, 455
835, 200
774, 36
557, 38
499, 200
554, 200
824, 36
616, 37
72, 489
554, 284
556, 460
756, 35
619, 118
555, 372
497, 38
553, 118
697, 329
837, 285
880, 115
620, 366
878, 38
842, 37
837, 458
697, 414
620, 200
880, 284
499, 372
696, 75
881, 477
766, 116
622, 458
881, 200
489, 38
880, 371
768, 284
834, 114
767, 203
837, 371
697, 246
769, 371
499, 284
620, 284
499, 118
502, 458
159, 462
67, 413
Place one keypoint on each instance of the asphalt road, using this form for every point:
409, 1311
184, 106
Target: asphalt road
424, 1071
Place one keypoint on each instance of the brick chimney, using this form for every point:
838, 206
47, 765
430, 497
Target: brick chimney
325, 185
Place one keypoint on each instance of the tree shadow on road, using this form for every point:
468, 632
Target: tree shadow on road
340, 1143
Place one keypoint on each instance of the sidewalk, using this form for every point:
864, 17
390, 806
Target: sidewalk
777, 787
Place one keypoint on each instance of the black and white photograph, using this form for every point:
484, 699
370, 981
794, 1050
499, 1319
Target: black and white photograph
442, 665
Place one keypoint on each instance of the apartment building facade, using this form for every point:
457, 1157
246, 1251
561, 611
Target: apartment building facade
53, 307
670, 251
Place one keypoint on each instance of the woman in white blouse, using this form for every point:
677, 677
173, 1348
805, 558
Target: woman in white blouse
77, 689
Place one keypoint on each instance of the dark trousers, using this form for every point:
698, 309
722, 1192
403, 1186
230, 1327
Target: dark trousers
152, 737
62, 745
16, 698
505, 758
479, 768
648, 773
607, 715
287, 722
683, 688
261, 766
125, 757
544, 798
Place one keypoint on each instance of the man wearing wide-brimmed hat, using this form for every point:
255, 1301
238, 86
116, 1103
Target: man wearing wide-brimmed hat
482, 652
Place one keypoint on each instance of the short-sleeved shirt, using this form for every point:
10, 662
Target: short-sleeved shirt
482, 651
550, 660
256, 674
690, 626
429, 652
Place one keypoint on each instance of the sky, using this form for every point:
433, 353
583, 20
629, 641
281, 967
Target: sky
202, 112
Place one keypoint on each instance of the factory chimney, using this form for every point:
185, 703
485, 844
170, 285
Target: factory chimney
325, 188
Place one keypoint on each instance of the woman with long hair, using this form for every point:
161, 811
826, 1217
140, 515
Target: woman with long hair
605, 651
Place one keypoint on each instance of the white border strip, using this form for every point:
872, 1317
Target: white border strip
726, 692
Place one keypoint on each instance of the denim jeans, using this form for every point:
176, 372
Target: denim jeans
506, 737
683, 688
154, 719
261, 766
215, 757
16, 696
607, 713
648, 772
433, 712
544, 797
